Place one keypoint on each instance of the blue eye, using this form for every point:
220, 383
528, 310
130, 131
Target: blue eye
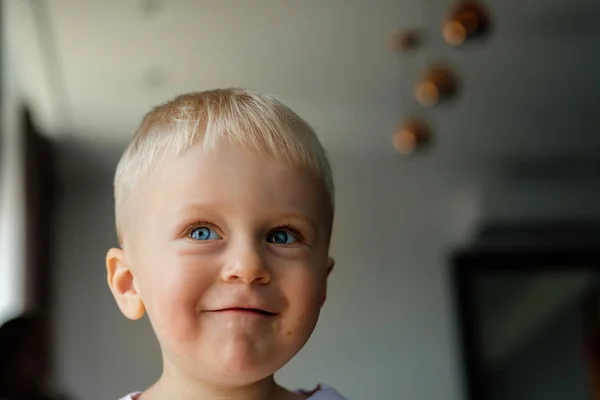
281, 237
203, 233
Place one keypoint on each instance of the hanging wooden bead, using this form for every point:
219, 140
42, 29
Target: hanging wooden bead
403, 41
411, 136
437, 84
465, 21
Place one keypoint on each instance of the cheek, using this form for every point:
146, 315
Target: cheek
304, 294
176, 291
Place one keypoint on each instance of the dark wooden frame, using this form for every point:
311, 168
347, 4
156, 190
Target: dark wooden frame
468, 264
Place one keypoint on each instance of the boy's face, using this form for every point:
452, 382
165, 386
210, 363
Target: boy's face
229, 257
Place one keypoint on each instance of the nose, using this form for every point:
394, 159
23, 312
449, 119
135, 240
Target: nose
247, 265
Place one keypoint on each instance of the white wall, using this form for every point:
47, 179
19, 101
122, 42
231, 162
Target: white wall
12, 219
12, 187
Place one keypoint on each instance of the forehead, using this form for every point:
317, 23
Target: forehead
236, 180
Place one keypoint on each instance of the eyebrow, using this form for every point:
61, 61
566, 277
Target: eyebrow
195, 208
176, 217
292, 215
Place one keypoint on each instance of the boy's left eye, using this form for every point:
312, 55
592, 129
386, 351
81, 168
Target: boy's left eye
281, 236
203, 233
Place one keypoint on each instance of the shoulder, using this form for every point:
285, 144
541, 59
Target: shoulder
131, 396
324, 392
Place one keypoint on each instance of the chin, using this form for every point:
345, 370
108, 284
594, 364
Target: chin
237, 374
240, 364
247, 362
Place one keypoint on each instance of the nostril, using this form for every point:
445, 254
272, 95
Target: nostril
262, 280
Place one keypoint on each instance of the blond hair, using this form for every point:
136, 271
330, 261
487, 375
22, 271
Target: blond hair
239, 116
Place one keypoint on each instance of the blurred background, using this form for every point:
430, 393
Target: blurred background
465, 148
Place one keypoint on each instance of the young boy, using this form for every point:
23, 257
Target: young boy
224, 209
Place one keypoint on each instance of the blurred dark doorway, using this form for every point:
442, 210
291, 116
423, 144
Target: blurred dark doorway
528, 313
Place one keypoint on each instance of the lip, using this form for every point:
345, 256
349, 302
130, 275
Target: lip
244, 311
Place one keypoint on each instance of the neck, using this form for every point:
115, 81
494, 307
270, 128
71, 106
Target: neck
174, 385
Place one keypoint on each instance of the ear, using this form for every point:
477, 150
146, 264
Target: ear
123, 285
330, 265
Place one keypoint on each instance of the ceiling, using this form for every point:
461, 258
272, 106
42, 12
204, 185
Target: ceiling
92, 68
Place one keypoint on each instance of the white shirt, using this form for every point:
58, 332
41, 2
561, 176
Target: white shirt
324, 393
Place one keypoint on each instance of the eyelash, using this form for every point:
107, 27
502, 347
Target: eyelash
206, 224
291, 229
286, 227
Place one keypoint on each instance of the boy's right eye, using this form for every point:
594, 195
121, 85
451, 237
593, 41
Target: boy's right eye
203, 233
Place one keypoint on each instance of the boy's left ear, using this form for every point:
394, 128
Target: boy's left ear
330, 265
